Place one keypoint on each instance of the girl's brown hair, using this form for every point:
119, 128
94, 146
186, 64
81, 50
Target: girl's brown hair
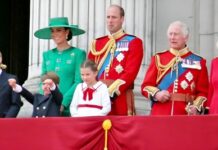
90, 64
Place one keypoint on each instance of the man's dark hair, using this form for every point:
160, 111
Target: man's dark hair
69, 36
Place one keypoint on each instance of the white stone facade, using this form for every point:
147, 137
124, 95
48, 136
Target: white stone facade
147, 19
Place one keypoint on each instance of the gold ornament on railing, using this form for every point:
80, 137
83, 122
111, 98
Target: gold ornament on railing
106, 126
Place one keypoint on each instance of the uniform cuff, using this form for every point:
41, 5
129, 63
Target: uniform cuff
114, 87
151, 90
199, 102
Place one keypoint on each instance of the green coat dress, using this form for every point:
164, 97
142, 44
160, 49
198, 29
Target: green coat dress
66, 64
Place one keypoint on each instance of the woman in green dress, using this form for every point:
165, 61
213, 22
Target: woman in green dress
64, 60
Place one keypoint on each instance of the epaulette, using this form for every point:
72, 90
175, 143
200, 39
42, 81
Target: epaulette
196, 54
130, 35
100, 38
164, 51
103, 37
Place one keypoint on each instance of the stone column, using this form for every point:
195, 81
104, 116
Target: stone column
206, 29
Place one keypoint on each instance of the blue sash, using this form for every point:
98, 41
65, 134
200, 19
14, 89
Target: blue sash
169, 78
120, 44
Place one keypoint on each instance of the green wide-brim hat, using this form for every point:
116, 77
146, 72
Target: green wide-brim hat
45, 33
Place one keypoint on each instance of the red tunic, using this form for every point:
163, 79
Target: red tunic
124, 67
192, 80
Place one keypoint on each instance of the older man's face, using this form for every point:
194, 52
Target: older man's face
177, 40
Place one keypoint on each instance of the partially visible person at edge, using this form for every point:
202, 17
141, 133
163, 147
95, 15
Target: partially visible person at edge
46, 104
213, 88
119, 56
91, 98
64, 60
176, 80
10, 102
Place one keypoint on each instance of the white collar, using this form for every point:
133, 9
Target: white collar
95, 86
0, 71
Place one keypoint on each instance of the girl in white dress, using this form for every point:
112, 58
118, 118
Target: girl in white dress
91, 98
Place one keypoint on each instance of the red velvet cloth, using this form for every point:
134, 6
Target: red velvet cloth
127, 133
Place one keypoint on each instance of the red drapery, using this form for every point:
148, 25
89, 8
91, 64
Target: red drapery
127, 133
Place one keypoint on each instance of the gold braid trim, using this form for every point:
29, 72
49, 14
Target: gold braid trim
180, 52
114, 87
162, 69
109, 44
104, 57
151, 90
109, 47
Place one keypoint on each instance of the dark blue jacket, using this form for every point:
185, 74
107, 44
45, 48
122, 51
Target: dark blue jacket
10, 101
44, 106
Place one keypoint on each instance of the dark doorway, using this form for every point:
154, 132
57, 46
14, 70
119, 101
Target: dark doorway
14, 36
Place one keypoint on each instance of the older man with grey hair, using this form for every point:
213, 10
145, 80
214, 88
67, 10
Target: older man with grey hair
176, 81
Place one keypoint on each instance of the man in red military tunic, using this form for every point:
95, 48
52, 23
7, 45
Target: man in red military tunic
119, 57
176, 80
